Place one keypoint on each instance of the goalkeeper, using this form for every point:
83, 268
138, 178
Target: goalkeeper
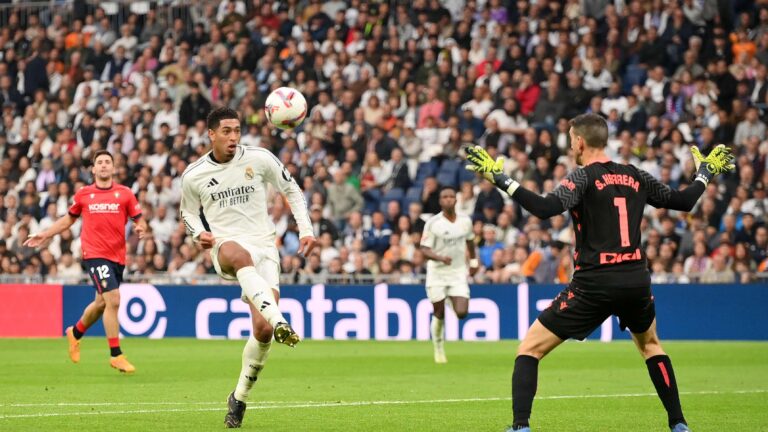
606, 201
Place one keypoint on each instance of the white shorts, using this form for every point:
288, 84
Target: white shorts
266, 260
439, 291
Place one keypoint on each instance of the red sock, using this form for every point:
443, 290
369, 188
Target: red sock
79, 330
114, 346
80, 326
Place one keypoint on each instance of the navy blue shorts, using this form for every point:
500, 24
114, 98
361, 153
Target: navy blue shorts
106, 275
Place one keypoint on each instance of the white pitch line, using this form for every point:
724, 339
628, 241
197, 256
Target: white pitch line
89, 404
365, 403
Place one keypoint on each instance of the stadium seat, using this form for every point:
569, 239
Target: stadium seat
448, 174
466, 176
447, 178
413, 195
426, 169
394, 194
450, 165
372, 198
635, 75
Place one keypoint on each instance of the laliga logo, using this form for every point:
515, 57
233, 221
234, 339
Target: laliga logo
139, 308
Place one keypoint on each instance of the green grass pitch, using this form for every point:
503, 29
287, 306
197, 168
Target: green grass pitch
182, 384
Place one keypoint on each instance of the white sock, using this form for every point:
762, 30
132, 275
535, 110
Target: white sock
255, 355
260, 294
436, 328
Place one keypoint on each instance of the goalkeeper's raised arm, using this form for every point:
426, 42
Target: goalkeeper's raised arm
571, 189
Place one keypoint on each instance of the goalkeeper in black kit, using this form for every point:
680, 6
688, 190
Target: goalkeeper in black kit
606, 202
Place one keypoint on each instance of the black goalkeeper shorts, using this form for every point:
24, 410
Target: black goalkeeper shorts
576, 312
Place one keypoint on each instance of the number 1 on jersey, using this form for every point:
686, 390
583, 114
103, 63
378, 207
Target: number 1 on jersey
621, 204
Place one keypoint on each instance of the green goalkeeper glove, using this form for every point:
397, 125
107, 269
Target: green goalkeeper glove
719, 161
493, 170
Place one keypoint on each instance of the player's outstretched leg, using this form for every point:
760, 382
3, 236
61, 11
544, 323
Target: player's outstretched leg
74, 345
537, 343
234, 259
117, 359
662, 375
255, 354
91, 314
259, 293
460, 306
437, 331
438, 340
525, 379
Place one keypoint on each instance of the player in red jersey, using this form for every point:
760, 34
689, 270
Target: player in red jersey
105, 207
606, 201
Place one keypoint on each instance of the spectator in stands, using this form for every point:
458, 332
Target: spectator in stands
489, 245
343, 198
194, 107
321, 225
162, 224
546, 265
751, 126
377, 237
677, 74
759, 247
67, 267
398, 169
720, 272
393, 213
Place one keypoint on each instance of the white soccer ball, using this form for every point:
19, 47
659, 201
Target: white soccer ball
285, 108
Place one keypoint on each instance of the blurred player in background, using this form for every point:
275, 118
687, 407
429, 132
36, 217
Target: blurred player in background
105, 207
230, 184
445, 242
606, 201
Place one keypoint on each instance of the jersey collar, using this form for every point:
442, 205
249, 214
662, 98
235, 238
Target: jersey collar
106, 188
211, 159
603, 159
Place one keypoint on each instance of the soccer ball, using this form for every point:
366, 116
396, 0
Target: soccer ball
285, 108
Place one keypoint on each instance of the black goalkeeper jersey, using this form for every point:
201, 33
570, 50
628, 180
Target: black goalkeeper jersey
606, 201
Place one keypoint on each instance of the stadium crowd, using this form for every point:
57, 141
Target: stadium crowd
395, 90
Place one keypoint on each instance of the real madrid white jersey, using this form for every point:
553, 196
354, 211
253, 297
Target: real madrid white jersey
233, 196
449, 239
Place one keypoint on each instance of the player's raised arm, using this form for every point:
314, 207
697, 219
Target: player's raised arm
277, 174
39, 239
64, 222
190, 208
660, 195
566, 196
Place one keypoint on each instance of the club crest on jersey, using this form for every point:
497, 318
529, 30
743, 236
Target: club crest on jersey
117, 194
249, 173
93, 195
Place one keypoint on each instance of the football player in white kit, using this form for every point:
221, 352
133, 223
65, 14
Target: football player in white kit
445, 242
230, 184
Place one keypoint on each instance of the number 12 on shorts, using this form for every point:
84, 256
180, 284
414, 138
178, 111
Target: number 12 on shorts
103, 272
